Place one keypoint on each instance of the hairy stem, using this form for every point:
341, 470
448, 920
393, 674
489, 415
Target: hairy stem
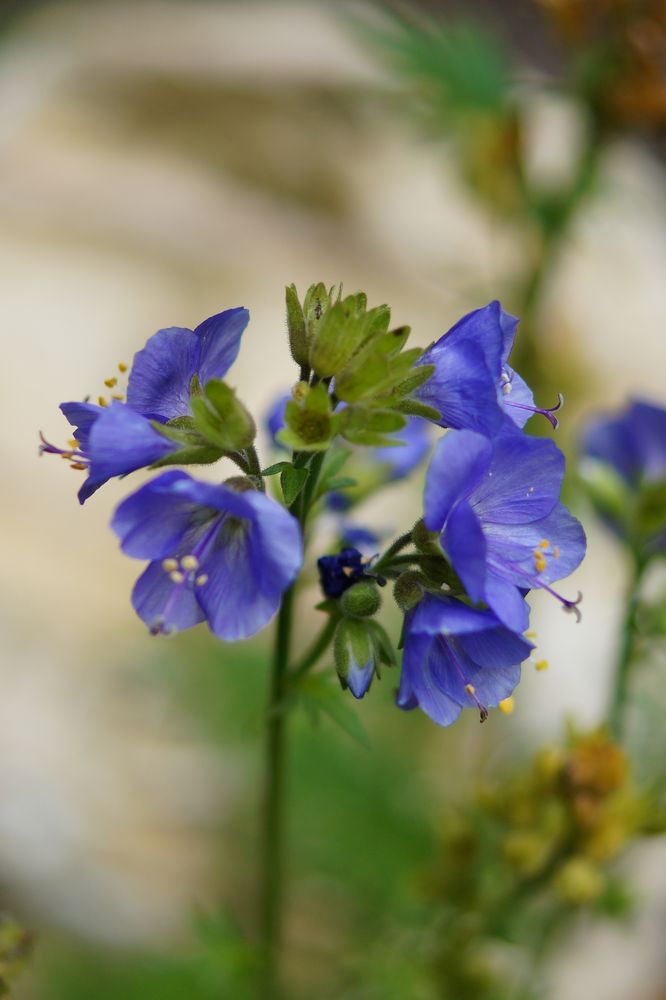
625, 656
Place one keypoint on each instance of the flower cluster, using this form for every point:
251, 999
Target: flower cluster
491, 530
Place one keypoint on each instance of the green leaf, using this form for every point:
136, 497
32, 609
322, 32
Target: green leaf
292, 481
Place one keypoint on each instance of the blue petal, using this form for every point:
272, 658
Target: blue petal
160, 519
274, 419
219, 342
518, 404
164, 606
275, 543
523, 481
360, 675
649, 424
462, 387
497, 647
121, 441
81, 416
419, 687
483, 328
507, 602
511, 552
464, 543
159, 382
457, 467
447, 616
508, 325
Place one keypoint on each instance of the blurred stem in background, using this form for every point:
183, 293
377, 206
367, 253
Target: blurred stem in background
626, 651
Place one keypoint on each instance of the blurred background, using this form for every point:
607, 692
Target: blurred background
160, 161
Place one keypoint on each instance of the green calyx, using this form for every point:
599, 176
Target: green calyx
359, 641
361, 600
309, 419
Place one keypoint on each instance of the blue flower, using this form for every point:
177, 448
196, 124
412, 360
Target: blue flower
457, 657
473, 386
496, 506
339, 571
224, 554
633, 443
117, 439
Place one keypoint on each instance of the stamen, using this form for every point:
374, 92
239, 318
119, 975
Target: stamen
73, 444
122, 367
541, 665
556, 552
470, 689
117, 395
189, 563
544, 543
201, 579
102, 401
110, 382
169, 565
571, 607
530, 635
176, 576
507, 705
79, 466
548, 412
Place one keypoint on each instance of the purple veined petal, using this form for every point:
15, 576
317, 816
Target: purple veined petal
81, 416
159, 382
234, 595
121, 441
496, 647
447, 616
513, 555
466, 682
458, 465
516, 398
464, 543
509, 325
165, 607
418, 686
462, 387
275, 543
481, 328
506, 602
493, 684
523, 480
161, 519
219, 339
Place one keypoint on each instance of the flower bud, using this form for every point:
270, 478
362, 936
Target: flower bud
408, 590
360, 601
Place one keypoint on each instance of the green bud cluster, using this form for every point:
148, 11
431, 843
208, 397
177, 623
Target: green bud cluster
361, 641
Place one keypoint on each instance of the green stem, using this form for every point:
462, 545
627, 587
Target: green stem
317, 649
273, 818
626, 653
388, 557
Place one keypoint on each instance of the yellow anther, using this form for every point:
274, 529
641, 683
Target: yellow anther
541, 665
110, 382
544, 543
201, 579
347, 570
556, 552
470, 689
176, 576
169, 565
530, 635
507, 705
117, 395
189, 563
66, 454
102, 401
78, 465
122, 367
539, 561
73, 443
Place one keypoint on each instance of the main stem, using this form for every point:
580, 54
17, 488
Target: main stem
625, 655
273, 818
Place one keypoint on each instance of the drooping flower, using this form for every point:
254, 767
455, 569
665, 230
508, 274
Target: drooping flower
457, 657
114, 440
339, 571
224, 554
633, 445
495, 503
473, 386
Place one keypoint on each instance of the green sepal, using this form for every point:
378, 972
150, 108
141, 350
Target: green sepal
344, 329
414, 408
203, 454
310, 421
383, 645
222, 419
352, 641
182, 430
416, 378
292, 482
378, 368
298, 340
361, 425
273, 470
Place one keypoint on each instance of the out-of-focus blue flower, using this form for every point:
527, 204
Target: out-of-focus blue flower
396, 462
633, 443
339, 571
457, 657
224, 554
117, 439
359, 537
473, 386
496, 506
